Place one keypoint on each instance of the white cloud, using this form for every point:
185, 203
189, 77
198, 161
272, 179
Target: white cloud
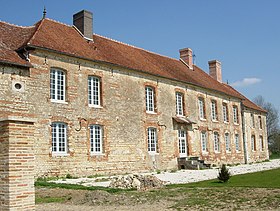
246, 82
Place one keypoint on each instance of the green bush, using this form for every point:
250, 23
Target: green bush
224, 174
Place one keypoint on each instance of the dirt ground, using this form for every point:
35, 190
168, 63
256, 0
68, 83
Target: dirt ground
159, 200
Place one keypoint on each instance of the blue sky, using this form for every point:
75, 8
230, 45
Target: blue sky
243, 34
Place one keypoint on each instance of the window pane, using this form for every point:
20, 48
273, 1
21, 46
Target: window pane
59, 137
94, 90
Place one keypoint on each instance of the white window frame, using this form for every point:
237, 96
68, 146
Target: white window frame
94, 91
252, 120
216, 142
182, 137
57, 85
179, 104
59, 138
96, 139
201, 108
261, 143
253, 142
152, 140
150, 99
237, 145
214, 110
227, 141
235, 114
225, 112
203, 137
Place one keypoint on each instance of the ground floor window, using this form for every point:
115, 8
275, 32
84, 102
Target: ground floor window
96, 139
253, 143
237, 147
216, 142
182, 143
152, 140
204, 141
59, 138
227, 140
261, 144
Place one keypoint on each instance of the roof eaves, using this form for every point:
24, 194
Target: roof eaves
15, 64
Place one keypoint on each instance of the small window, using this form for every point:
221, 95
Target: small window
252, 121
227, 140
214, 113
57, 85
225, 112
253, 143
260, 122
179, 104
204, 141
235, 115
216, 142
261, 144
59, 138
96, 139
201, 108
94, 91
150, 99
237, 146
152, 140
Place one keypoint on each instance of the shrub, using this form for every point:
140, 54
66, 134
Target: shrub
224, 174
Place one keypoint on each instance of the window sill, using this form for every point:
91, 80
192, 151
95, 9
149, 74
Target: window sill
214, 120
217, 152
226, 122
59, 101
238, 151
228, 152
95, 106
92, 154
151, 112
202, 119
153, 153
237, 124
205, 153
55, 154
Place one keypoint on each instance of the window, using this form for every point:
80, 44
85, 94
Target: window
237, 147
204, 141
227, 140
260, 122
94, 91
96, 139
150, 99
252, 121
225, 112
182, 143
214, 115
152, 140
201, 108
179, 104
261, 144
59, 138
57, 85
216, 142
253, 143
235, 114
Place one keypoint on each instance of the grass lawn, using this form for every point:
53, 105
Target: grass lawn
275, 156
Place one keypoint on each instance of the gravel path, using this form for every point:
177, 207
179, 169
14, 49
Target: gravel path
184, 176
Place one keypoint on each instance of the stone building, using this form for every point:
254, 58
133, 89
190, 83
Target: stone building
100, 106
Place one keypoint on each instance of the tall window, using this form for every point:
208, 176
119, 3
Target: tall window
214, 115
150, 99
94, 91
225, 112
260, 122
57, 85
204, 141
235, 114
252, 121
182, 143
201, 108
253, 143
237, 147
96, 139
261, 144
216, 142
152, 140
179, 104
227, 140
59, 138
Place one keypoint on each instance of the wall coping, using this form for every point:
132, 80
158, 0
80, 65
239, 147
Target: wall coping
18, 119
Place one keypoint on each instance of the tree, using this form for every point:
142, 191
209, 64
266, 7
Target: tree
272, 122
224, 174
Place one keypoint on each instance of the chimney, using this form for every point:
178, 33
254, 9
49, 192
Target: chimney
186, 57
215, 70
83, 21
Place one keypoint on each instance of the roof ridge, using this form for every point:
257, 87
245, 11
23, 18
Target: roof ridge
11, 24
57, 22
133, 46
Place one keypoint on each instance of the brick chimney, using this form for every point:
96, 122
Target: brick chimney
215, 70
83, 21
187, 57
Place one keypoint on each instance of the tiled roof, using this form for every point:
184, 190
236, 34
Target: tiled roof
55, 36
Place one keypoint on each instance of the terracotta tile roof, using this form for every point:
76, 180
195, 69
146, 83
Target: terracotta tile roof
55, 36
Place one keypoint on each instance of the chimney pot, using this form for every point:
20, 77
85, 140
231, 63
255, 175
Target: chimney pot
83, 20
186, 56
215, 70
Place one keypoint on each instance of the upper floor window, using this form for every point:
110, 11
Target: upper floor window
225, 112
214, 113
179, 104
260, 122
204, 141
96, 139
252, 121
94, 91
253, 143
216, 142
201, 108
150, 99
237, 146
227, 140
57, 85
261, 144
59, 138
152, 140
235, 115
